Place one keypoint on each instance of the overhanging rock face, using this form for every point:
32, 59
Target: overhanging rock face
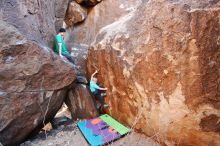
161, 66
81, 103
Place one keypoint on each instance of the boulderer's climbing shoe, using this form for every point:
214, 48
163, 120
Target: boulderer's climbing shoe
103, 94
98, 105
105, 106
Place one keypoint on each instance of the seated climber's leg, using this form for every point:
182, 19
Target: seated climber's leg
70, 58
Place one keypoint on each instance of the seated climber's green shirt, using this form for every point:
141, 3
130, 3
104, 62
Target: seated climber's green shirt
59, 39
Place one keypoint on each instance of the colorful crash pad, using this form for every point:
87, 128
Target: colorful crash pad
102, 130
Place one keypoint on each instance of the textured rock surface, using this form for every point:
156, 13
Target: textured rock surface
75, 14
101, 15
60, 12
34, 18
60, 8
80, 53
161, 66
81, 103
32, 78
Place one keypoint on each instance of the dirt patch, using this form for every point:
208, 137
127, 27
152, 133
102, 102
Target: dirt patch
68, 134
71, 136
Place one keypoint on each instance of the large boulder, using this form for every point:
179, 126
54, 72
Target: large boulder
75, 14
32, 85
81, 103
161, 66
33, 80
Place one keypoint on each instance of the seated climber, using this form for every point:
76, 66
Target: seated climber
61, 48
97, 90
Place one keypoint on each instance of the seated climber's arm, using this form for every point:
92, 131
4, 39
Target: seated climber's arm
60, 49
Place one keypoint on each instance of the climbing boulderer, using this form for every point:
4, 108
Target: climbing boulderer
97, 91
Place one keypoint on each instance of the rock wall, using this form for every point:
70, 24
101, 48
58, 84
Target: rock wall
80, 53
36, 19
33, 80
104, 13
161, 64
81, 35
60, 8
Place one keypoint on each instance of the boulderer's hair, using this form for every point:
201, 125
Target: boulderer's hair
62, 30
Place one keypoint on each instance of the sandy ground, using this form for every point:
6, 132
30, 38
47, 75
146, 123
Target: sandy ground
68, 134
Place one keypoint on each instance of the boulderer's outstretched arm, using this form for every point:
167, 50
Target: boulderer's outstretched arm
104, 89
93, 74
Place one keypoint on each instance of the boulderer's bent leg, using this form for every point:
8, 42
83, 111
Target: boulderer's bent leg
99, 97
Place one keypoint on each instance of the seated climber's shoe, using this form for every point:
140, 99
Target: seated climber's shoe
105, 106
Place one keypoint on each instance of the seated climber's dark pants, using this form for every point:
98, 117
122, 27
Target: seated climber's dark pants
70, 58
98, 95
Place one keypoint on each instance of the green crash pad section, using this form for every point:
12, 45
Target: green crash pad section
115, 124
